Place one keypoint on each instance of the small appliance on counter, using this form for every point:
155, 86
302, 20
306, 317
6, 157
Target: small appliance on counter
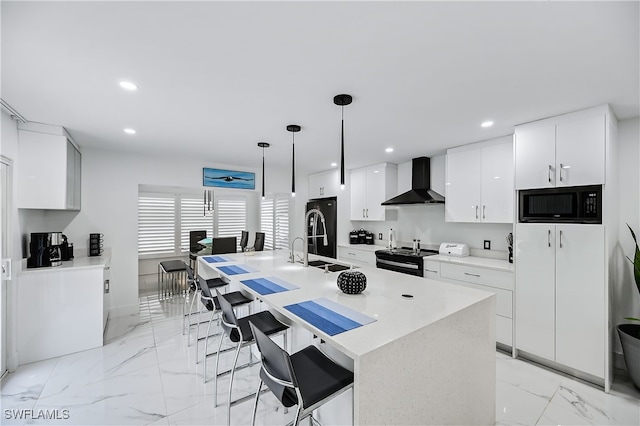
66, 249
353, 237
95, 244
44, 249
454, 249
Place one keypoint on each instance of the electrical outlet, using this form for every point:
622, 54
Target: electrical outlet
487, 244
380, 236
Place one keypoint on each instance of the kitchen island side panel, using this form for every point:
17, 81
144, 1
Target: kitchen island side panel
445, 372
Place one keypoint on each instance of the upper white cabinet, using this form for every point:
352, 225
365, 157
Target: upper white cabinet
479, 183
49, 176
324, 184
568, 150
561, 295
370, 187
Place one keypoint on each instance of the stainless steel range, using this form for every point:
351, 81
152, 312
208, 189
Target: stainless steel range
403, 260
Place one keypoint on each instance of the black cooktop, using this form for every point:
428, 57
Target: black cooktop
408, 251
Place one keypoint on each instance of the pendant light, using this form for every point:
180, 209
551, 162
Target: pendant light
341, 101
293, 128
263, 145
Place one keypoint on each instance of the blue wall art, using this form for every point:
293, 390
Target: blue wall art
228, 179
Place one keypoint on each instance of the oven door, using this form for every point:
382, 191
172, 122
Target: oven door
400, 266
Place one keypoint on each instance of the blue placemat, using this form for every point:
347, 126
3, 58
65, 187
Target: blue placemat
217, 259
236, 269
269, 285
330, 317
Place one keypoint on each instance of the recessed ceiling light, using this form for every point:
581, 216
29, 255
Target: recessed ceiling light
388, 150
334, 164
487, 124
130, 131
127, 85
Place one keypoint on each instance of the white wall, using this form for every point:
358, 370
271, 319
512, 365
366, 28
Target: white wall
109, 205
626, 299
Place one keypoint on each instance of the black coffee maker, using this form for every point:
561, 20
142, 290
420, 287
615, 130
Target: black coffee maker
66, 249
44, 249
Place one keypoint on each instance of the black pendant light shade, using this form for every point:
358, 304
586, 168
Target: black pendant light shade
263, 145
341, 101
293, 128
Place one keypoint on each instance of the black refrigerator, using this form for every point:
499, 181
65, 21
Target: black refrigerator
315, 228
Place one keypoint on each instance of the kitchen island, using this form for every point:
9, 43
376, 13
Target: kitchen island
425, 359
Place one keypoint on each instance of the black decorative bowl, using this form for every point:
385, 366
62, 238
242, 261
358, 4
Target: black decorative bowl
352, 282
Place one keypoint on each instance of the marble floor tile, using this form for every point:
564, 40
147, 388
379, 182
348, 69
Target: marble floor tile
580, 404
145, 374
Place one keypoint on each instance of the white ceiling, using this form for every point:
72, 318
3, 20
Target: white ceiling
217, 77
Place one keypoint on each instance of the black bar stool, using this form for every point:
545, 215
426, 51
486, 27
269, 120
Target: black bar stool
307, 378
239, 332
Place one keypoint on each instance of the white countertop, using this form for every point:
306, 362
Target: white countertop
77, 262
480, 262
395, 316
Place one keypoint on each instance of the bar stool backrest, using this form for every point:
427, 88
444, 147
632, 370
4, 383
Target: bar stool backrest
277, 370
244, 240
229, 321
258, 245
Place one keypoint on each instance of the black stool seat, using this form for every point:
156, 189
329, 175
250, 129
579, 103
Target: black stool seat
216, 282
317, 376
265, 320
173, 265
236, 298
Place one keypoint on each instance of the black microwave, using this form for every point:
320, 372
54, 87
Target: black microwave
577, 204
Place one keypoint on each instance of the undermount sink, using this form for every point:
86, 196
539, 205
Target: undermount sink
332, 267
318, 263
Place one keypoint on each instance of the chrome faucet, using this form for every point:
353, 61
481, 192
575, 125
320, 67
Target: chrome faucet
292, 258
307, 237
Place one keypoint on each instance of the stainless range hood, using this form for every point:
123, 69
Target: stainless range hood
420, 192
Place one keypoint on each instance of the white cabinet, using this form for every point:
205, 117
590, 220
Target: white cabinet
479, 184
49, 176
567, 150
324, 184
370, 187
499, 282
561, 294
61, 310
357, 256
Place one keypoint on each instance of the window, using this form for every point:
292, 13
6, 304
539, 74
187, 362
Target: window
156, 224
165, 220
274, 221
232, 217
193, 218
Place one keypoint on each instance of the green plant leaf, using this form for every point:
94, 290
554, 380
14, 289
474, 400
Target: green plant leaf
636, 260
632, 319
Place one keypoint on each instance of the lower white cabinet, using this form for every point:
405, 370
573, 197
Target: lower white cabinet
496, 281
61, 310
561, 294
357, 256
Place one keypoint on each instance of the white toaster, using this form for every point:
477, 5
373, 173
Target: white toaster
454, 249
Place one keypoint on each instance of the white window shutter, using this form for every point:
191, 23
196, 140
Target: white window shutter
232, 217
156, 224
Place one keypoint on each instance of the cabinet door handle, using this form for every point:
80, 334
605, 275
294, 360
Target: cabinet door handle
351, 254
476, 212
363, 213
367, 212
106, 286
429, 270
548, 237
484, 208
472, 275
549, 173
561, 238
563, 166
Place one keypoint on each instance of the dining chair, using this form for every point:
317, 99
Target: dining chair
258, 245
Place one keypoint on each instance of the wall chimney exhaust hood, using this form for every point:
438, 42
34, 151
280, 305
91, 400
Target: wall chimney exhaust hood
420, 192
